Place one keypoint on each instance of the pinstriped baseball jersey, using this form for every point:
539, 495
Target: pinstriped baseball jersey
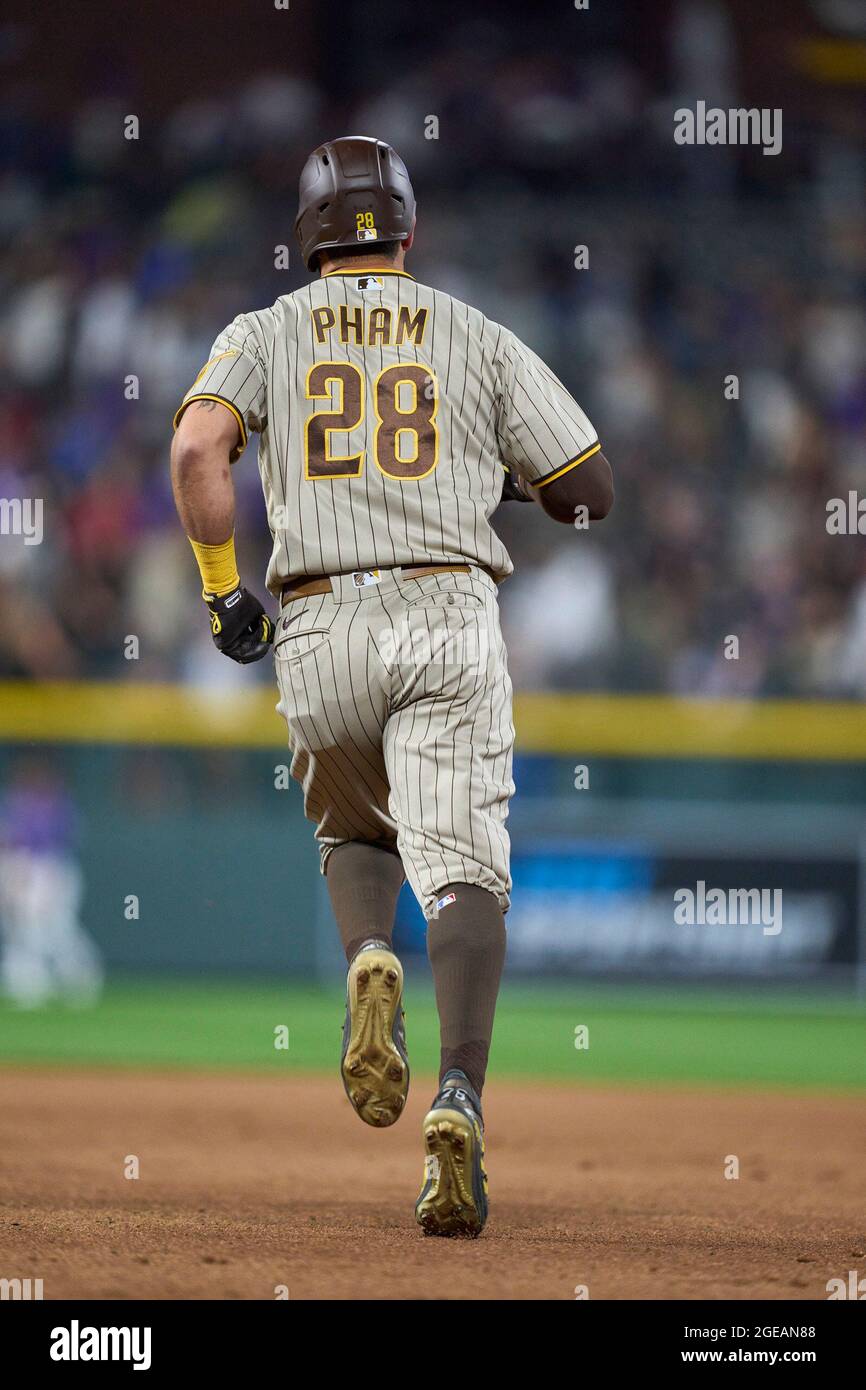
386, 411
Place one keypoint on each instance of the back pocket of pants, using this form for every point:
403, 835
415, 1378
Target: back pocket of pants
294, 645
445, 599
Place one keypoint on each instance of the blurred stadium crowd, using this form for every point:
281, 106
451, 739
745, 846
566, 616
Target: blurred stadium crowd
122, 258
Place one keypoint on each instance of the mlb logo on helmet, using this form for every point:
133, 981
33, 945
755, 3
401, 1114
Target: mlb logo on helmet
367, 234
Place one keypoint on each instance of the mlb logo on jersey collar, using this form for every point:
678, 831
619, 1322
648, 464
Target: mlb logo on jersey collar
361, 578
369, 282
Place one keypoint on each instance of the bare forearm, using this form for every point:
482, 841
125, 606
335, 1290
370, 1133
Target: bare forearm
203, 493
208, 438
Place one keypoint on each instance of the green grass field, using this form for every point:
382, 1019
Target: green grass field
636, 1035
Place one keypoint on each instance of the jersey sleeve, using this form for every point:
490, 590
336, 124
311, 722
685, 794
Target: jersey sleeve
542, 431
234, 375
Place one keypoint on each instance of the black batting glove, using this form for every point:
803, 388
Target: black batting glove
240, 626
513, 488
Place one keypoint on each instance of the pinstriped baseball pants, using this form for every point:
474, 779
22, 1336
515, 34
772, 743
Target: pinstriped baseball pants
398, 703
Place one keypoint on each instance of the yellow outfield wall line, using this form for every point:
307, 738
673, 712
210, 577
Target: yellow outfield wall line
105, 712
661, 726
645, 726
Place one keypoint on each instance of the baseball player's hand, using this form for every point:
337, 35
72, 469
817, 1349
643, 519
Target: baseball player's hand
240, 626
514, 489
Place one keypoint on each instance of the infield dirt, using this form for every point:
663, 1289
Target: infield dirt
247, 1183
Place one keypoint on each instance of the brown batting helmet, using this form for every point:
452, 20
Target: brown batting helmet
353, 191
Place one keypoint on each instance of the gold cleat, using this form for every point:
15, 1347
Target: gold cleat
375, 1065
453, 1200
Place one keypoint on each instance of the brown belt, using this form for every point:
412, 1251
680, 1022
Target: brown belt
321, 584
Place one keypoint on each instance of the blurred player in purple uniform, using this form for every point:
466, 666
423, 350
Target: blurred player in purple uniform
46, 953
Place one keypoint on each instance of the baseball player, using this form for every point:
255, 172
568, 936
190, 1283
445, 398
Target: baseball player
392, 419
45, 951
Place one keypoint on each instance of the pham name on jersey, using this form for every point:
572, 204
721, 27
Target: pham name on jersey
370, 327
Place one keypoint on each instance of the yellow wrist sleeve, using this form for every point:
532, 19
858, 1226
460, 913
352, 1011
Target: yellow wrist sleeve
217, 565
